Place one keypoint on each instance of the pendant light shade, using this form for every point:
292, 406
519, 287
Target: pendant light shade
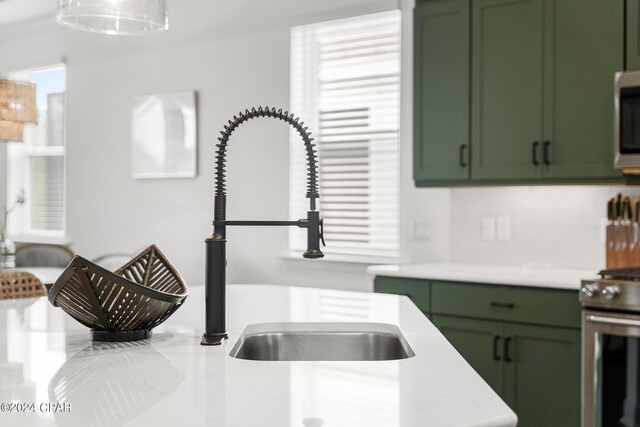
17, 107
17, 101
121, 17
11, 131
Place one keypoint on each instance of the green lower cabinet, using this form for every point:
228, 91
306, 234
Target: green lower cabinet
524, 342
477, 341
418, 291
542, 380
535, 369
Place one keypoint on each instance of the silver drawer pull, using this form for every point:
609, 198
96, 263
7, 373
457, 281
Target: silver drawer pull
613, 320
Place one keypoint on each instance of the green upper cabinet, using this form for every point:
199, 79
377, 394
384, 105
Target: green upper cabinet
442, 91
540, 108
584, 49
633, 35
507, 51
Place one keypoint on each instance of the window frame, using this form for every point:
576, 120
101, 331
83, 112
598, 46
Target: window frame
310, 87
21, 179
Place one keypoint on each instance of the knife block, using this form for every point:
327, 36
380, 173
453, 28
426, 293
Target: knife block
623, 232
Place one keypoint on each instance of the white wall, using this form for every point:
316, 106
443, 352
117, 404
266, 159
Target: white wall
3, 175
236, 55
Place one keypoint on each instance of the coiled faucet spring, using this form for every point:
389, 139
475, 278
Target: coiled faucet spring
312, 160
215, 330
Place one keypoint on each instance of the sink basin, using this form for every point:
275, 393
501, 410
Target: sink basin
321, 341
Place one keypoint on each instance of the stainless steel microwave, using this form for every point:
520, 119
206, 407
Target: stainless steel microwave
627, 122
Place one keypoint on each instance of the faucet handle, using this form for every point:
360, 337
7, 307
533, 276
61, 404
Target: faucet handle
322, 232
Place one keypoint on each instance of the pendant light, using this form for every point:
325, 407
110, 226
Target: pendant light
17, 107
11, 131
119, 17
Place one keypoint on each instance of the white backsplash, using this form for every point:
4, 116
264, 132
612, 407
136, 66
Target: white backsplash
555, 226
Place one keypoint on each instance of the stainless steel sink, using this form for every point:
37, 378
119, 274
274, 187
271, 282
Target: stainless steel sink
321, 341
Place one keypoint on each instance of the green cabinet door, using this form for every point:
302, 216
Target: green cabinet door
479, 342
542, 375
584, 48
418, 290
441, 100
507, 89
633, 35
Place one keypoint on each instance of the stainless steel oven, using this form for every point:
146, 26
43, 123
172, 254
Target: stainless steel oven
611, 350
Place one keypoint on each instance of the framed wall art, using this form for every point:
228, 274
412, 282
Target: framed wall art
163, 135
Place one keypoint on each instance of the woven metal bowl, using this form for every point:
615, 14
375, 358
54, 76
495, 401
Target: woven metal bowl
121, 306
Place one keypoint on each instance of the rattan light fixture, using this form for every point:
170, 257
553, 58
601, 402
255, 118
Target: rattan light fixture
11, 131
116, 17
17, 107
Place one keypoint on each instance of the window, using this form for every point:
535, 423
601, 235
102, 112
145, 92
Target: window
36, 166
345, 85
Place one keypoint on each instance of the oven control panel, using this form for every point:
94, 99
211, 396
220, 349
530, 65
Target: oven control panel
609, 293
589, 290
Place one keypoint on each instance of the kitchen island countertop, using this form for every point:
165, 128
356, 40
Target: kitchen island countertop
534, 276
46, 357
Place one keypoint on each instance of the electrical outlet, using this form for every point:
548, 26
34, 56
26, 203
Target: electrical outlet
503, 228
488, 228
420, 231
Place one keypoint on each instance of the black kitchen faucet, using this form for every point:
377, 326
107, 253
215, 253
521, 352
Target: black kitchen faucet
215, 281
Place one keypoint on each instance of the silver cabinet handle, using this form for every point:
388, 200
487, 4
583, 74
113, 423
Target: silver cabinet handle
613, 321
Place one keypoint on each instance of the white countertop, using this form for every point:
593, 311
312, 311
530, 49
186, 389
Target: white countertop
545, 277
169, 380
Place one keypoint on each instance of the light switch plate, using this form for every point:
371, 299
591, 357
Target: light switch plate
503, 228
488, 228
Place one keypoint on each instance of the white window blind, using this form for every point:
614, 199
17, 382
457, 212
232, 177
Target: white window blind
36, 166
345, 85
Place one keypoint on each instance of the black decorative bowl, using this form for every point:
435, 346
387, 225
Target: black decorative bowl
121, 306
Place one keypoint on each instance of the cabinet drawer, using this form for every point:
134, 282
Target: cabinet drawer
516, 304
419, 291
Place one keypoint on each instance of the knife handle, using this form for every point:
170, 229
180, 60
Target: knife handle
611, 246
